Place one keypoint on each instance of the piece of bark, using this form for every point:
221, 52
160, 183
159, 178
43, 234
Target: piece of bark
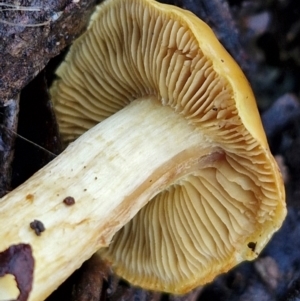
94, 273
25, 49
7, 141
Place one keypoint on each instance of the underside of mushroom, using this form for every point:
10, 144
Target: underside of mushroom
171, 177
208, 218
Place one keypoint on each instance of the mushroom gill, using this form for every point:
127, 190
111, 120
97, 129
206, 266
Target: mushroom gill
196, 228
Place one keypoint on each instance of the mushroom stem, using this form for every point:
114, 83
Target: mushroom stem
111, 172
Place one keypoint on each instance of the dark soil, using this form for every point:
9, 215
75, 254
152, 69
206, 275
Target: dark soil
264, 37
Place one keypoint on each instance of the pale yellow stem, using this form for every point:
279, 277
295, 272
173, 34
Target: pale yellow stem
111, 171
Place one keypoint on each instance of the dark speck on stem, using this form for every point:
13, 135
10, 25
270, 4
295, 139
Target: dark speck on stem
252, 246
69, 201
37, 226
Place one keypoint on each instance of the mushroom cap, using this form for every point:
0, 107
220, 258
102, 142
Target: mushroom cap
214, 218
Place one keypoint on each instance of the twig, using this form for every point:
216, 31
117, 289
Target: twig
25, 25
18, 7
12, 7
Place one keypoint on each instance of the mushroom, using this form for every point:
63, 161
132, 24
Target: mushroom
171, 176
